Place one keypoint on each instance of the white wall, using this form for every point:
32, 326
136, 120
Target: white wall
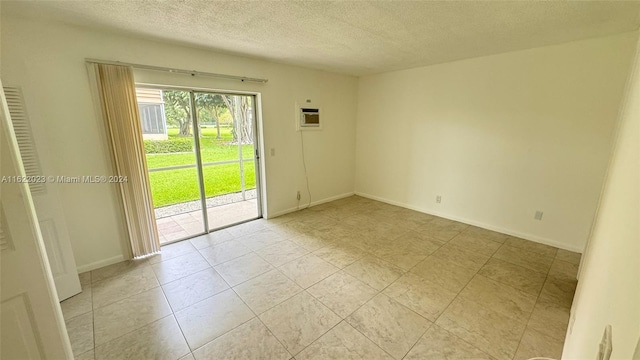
47, 61
498, 137
609, 287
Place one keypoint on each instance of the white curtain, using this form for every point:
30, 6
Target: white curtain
117, 92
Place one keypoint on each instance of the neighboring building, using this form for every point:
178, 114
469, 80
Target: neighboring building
152, 117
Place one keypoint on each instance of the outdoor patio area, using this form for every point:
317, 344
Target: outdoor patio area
189, 224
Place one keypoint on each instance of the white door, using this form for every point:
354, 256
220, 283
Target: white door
33, 151
31, 323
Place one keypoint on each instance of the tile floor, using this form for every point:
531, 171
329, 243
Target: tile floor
180, 226
353, 278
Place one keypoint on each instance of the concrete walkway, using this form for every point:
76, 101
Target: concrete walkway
188, 224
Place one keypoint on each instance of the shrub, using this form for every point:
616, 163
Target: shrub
172, 145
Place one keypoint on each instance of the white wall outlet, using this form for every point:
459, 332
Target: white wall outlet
538, 215
438, 199
298, 195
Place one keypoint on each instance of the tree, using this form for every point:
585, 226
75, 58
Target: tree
240, 108
215, 104
177, 108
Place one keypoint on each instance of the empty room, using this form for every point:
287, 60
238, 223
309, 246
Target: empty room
320, 180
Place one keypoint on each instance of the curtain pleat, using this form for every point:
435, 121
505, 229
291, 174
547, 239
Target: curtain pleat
117, 92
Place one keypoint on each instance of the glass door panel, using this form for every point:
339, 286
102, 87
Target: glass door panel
228, 147
168, 133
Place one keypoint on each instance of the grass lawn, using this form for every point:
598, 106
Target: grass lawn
180, 185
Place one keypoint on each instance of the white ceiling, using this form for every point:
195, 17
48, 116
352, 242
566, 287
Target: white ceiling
349, 37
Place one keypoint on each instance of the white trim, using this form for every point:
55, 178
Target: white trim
526, 236
314, 203
100, 263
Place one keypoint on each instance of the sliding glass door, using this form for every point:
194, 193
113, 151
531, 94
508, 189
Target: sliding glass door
228, 152
201, 154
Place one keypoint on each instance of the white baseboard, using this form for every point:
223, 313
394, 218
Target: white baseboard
313, 203
101, 263
511, 232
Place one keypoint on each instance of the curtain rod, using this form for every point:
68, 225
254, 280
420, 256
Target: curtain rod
178, 71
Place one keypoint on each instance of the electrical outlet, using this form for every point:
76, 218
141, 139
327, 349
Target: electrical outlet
438, 199
273, 151
298, 195
538, 215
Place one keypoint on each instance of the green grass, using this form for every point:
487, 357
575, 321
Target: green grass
170, 187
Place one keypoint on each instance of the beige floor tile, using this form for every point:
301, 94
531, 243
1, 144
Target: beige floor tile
299, 321
193, 288
336, 233
558, 291
251, 340
420, 295
374, 243
480, 245
290, 229
342, 293
403, 252
389, 325
442, 229
224, 252
212, 317
423, 241
307, 270
564, 270
379, 231
409, 219
117, 269
340, 255
267, 290
459, 256
499, 297
318, 221
212, 239
78, 304
89, 355
519, 277
178, 235
529, 259
261, 239
536, 344
126, 315
242, 268
484, 234
172, 250
179, 267
550, 319
496, 334
246, 228
120, 287
535, 247
374, 272
343, 342
444, 273
282, 252
159, 340
85, 278
309, 242
80, 331
439, 344
568, 256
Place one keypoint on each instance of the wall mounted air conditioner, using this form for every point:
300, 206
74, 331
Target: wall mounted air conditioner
308, 117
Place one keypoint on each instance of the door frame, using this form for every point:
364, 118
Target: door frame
258, 156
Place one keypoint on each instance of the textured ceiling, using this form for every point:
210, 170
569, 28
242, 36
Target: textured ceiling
349, 37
